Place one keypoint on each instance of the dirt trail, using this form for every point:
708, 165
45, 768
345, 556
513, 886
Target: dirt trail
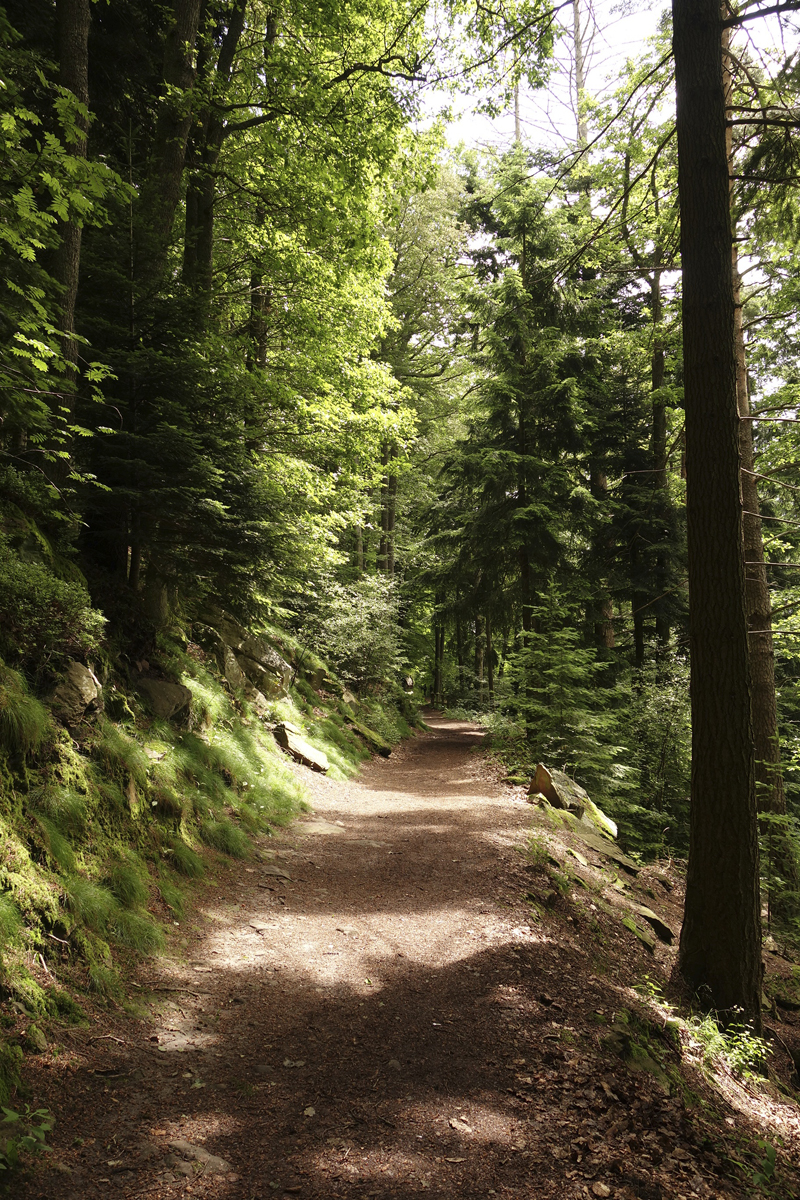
389, 1021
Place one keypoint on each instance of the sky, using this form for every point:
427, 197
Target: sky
618, 30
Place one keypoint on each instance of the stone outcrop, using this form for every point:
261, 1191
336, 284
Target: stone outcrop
290, 739
243, 657
562, 792
78, 694
166, 699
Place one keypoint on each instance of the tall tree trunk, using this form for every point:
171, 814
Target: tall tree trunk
462, 687
601, 551
479, 635
360, 549
721, 937
659, 451
391, 519
198, 261
172, 129
489, 661
74, 19
438, 660
580, 73
383, 549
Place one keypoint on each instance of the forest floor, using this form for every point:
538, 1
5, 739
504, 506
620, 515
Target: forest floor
393, 1001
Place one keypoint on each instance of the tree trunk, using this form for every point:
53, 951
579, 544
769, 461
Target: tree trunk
198, 262
721, 937
383, 549
580, 74
601, 552
489, 661
74, 19
438, 661
479, 635
391, 517
172, 128
462, 687
659, 453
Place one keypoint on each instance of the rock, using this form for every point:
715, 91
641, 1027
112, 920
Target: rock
300, 750
166, 699
257, 701
562, 792
35, 1039
348, 698
231, 669
272, 678
78, 693
661, 928
209, 1164
373, 739
641, 934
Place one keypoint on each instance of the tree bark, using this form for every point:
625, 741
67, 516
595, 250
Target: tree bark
172, 128
73, 18
721, 937
198, 260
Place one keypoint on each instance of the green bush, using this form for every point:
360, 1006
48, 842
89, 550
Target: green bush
43, 617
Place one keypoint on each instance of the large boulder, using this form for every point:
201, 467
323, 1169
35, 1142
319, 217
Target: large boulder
289, 738
562, 792
166, 699
78, 694
264, 667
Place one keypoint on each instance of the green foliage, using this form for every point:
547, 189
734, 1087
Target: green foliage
225, 836
24, 721
42, 617
357, 630
129, 882
23, 1134
120, 754
186, 861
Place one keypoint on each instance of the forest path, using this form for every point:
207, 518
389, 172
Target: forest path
388, 1021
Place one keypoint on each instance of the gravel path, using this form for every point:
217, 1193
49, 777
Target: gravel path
373, 1009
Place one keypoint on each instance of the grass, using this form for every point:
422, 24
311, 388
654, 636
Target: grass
99, 830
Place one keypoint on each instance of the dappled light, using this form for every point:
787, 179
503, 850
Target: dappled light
381, 1004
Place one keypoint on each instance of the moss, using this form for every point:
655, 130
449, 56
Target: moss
10, 1079
63, 1005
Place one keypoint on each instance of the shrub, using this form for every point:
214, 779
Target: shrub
43, 617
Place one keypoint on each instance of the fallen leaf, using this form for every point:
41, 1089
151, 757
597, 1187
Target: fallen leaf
310, 1111
459, 1125
601, 1189
455, 1160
